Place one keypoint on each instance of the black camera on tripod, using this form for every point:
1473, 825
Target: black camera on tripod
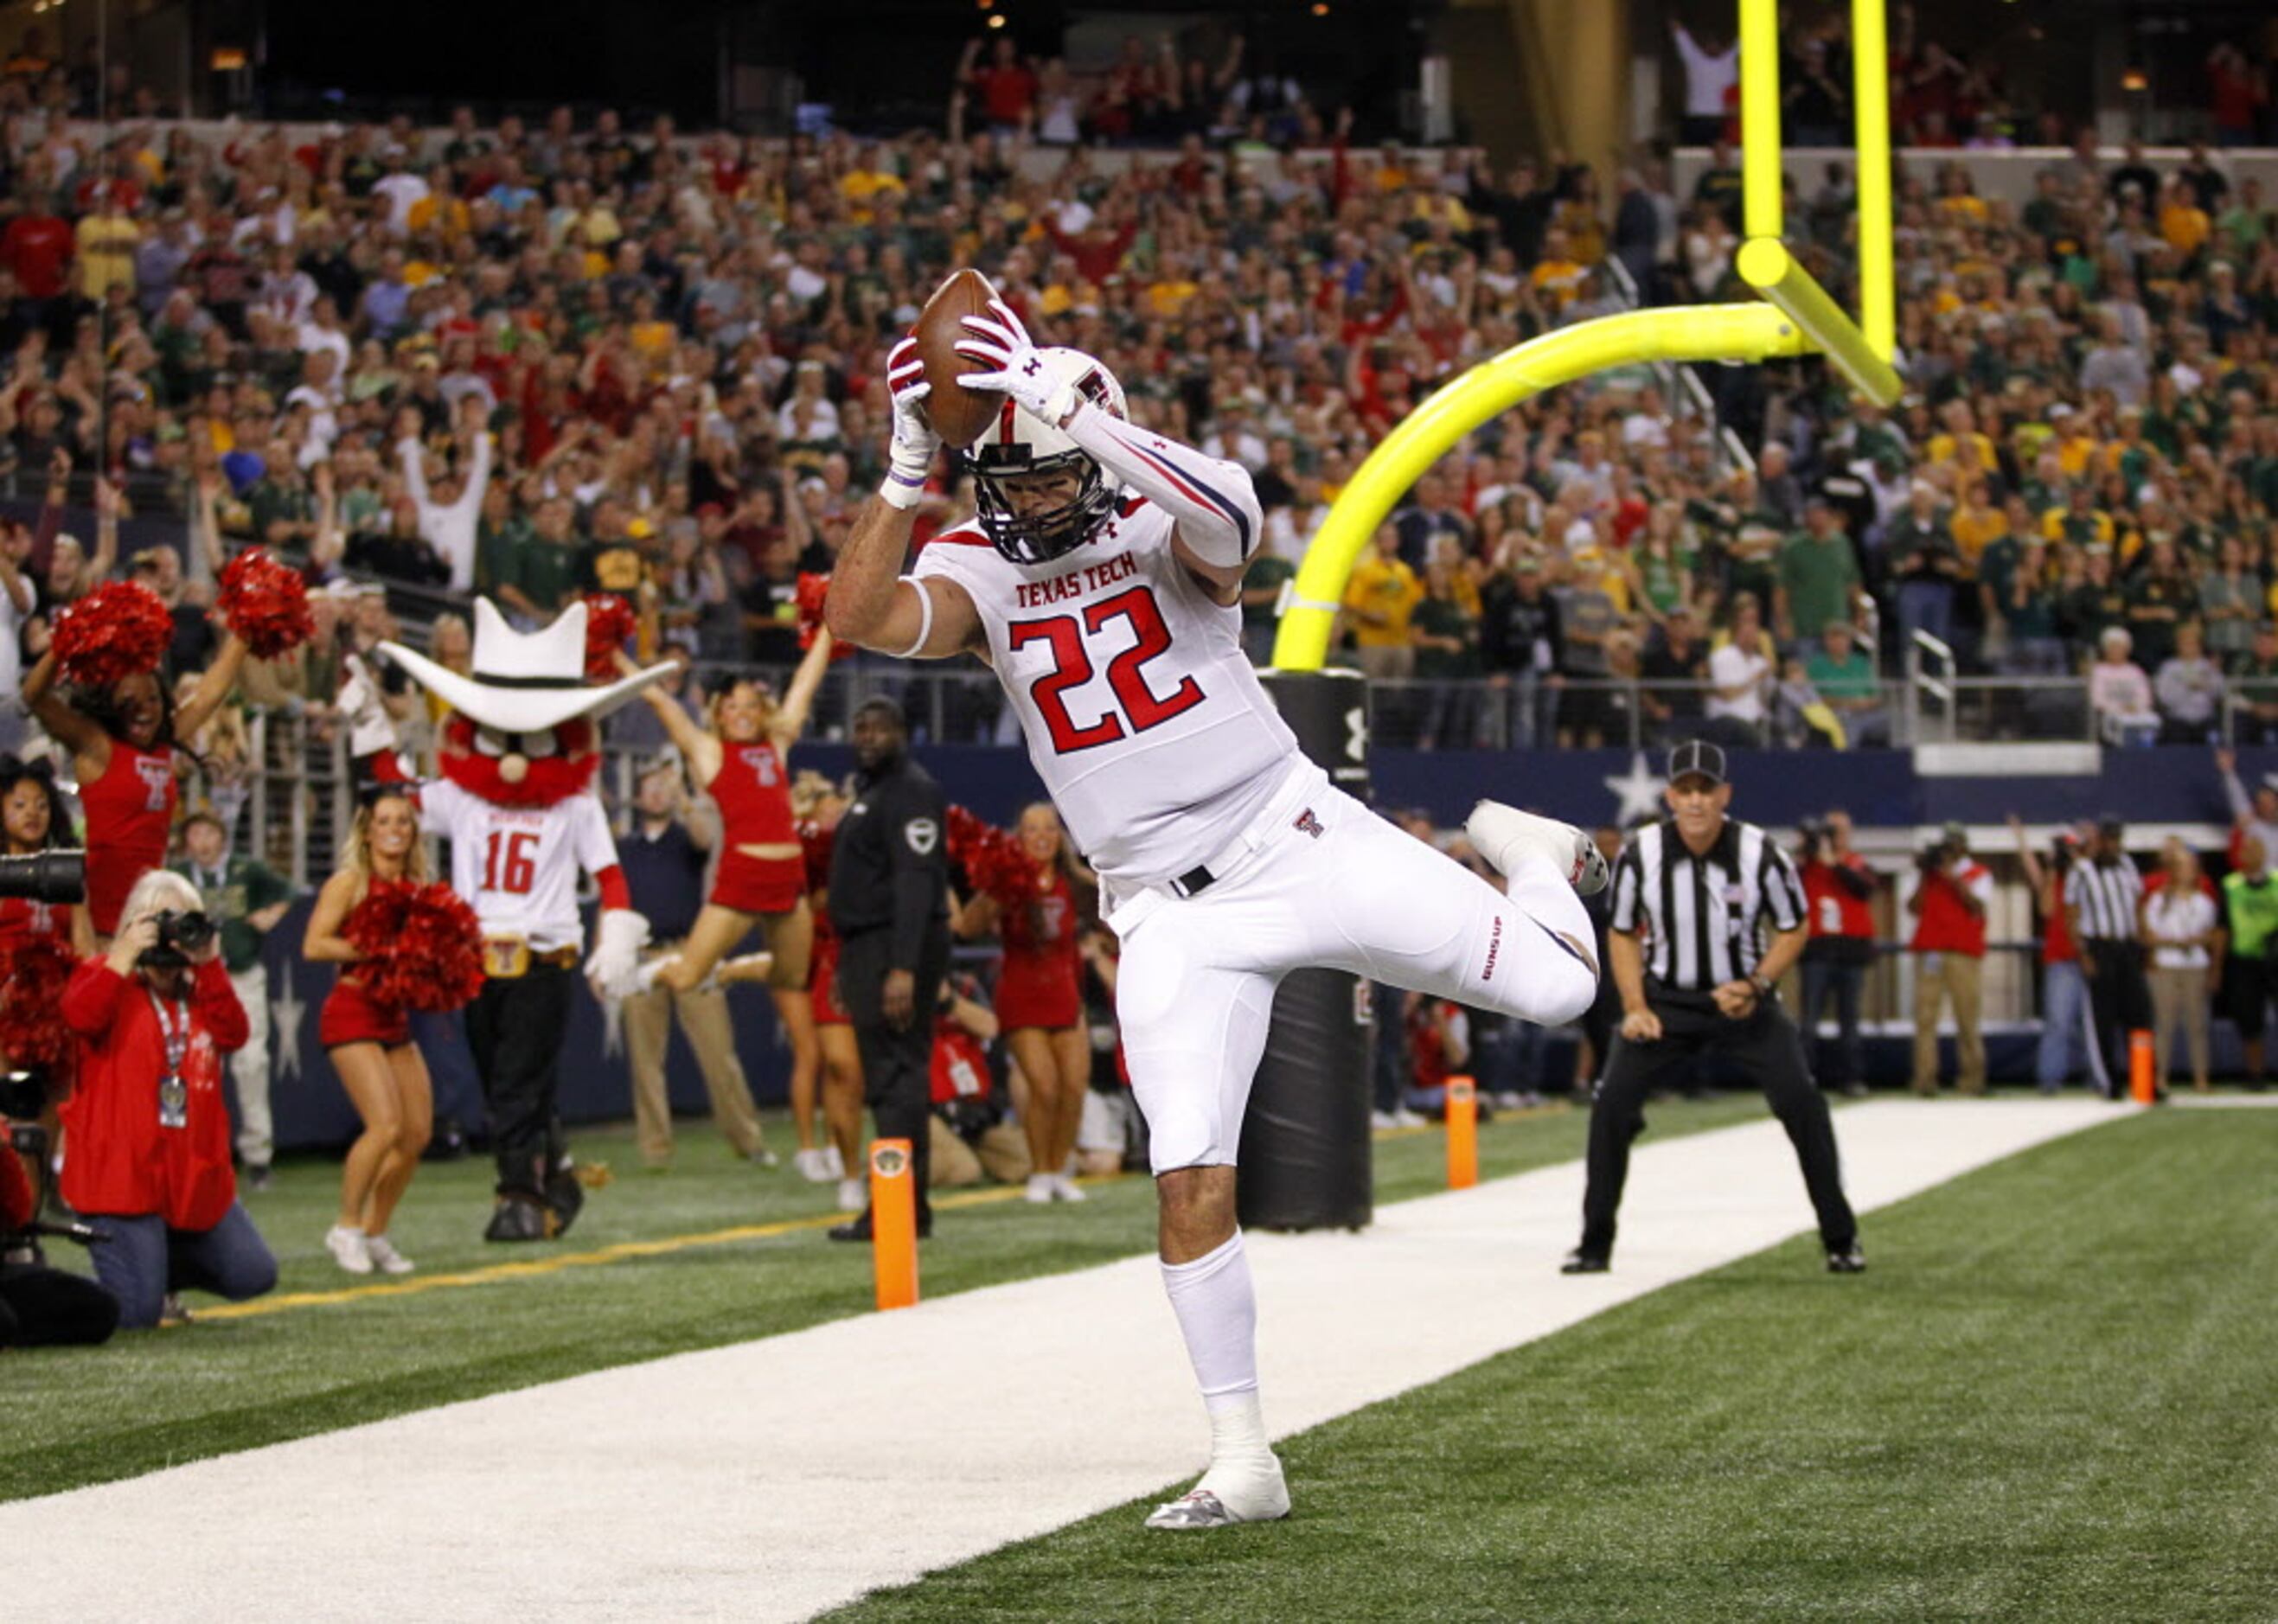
59, 876
23, 1099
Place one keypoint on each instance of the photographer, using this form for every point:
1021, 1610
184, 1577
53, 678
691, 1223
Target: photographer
150, 1156
1839, 888
2067, 1029
969, 1132
41, 1307
1948, 907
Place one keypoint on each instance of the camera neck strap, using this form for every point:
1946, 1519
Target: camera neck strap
176, 1038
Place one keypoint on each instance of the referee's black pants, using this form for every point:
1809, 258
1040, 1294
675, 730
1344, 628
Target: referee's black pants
896, 1066
1768, 1048
2119, 1001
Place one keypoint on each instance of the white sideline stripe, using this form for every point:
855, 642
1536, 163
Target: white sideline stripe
780, 1477
2224, 1102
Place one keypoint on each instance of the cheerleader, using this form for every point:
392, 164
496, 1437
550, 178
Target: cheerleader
370, 1042
123, 740
761, 879
1039, 996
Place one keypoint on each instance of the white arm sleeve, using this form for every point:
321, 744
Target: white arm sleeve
415, 475
1214, 503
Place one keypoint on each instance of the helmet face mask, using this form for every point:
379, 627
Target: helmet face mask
1040, 495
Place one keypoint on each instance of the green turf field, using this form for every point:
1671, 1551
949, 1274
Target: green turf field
2050, 1398
75, 1417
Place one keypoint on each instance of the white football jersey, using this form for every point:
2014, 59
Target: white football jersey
1143, 716
517, 866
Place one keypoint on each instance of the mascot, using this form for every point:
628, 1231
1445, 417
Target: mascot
517, 802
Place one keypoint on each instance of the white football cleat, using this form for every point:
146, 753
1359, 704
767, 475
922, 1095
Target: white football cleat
1249, 1492
1504, 835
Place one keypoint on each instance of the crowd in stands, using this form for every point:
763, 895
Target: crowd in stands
533, 360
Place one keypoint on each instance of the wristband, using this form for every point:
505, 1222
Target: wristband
1764, 987
901, 493
925, 620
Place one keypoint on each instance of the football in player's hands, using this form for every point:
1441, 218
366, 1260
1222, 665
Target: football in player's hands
958, 413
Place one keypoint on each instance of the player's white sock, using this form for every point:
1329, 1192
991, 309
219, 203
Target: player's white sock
1218, 1315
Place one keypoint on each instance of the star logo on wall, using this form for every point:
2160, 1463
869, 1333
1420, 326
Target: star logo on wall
1639, 791
285, 1011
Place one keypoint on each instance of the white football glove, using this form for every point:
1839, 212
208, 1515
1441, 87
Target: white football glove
614, 967
999, 343
909, 458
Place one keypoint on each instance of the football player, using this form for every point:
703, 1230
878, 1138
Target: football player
1100, 580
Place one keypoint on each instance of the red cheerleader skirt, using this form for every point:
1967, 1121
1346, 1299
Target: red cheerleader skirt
351, 1015
759, 885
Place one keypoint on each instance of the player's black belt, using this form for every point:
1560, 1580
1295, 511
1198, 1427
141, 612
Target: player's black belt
1194, 882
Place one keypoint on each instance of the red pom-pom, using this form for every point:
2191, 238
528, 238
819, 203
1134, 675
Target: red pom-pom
423, 946
610, 626
32, 1030
813, 588
991, 859
118, 630
266, 603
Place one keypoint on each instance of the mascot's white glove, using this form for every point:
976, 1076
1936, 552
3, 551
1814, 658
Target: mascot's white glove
999, 343
614, 967
910, 456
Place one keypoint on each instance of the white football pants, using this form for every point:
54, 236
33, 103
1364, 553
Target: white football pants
1318, 879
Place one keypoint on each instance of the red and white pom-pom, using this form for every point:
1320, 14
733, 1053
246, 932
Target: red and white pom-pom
423, 946
118, 630
813, 588
265, 603
992, 857
610, 626
32, 1030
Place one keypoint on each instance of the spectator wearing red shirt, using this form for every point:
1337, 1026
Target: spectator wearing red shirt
1005, 85
970, 1135
149, 1126
1839, 888
37, 246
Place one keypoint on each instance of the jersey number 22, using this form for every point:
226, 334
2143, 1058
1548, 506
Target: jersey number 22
1072, 668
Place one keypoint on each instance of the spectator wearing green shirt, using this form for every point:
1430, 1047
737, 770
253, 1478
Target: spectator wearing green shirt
246, 899
1846, 684
1819, 574
1261, 598
547, 563
2250, 906
1445, 633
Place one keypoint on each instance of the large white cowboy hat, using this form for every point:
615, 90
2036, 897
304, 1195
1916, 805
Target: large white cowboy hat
525, 681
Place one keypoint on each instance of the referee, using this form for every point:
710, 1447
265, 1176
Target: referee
2102, 898
1688, 894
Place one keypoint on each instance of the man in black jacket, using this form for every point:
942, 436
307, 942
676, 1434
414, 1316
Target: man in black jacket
889, 903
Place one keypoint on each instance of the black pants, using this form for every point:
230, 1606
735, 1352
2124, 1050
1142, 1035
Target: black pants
46, 1308
515, 1028
896, 1066
2119, 1003
1842, 980
1767, 1046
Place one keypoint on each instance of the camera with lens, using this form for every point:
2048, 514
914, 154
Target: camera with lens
1817, 835
182, 936
45, 876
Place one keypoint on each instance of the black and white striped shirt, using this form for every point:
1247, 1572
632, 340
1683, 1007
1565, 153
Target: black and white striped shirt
1699, 916
2106, 899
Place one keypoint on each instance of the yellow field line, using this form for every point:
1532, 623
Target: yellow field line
622, 1250
616, 1253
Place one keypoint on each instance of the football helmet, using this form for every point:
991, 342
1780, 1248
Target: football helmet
1018, 458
